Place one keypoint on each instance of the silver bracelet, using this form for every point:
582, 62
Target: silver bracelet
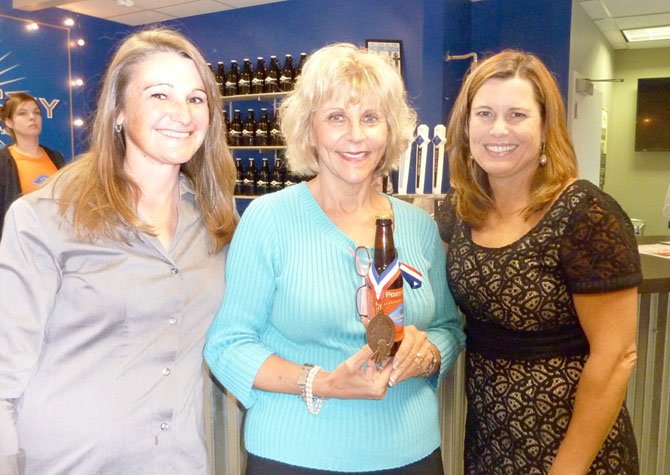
313, 403
306, 385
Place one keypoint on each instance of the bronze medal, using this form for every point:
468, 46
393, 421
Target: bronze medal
380, 335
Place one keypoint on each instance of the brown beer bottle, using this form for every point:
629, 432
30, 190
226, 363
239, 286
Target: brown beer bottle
391, 301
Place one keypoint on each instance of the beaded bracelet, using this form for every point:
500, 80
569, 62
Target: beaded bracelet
313, 403
306, 385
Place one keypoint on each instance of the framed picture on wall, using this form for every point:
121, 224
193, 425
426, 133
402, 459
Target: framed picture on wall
391, 50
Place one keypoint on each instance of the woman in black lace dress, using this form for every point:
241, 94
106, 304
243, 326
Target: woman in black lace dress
545, 268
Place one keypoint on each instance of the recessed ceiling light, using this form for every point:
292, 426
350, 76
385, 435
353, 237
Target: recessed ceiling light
647, 34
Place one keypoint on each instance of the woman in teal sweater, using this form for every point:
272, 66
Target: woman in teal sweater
289, 342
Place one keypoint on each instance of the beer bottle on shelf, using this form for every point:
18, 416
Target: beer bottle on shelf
290, 178
263, 129
263, 182
276, 138
246, 75
249, 180
272, 76
239, 178
391, 301
235, 130
287, 75
226, 124
258, 81
249, 129
277, 176
221, 77
231, 79
298, 71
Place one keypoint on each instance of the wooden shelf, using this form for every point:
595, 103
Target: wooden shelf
266, 96
257, 147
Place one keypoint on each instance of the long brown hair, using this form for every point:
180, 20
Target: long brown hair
472, 190
102, 197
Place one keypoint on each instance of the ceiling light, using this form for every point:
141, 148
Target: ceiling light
647, 34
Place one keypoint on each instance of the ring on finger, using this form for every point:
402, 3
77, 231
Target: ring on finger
418, 359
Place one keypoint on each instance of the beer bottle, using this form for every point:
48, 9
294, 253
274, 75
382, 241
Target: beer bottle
235, 130
277, 176
239, 178
391, 300
246, 75
258, 81
263, 129
276, 137
226, 124
249, 180
298, 71
263, 182
272, 76
287, 75
291, 179
231, 79
221, 77
249, 129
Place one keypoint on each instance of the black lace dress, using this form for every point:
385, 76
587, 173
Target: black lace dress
525, 348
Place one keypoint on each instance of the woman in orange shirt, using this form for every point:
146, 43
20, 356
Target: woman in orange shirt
25, 164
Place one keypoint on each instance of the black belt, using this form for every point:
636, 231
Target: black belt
494, 341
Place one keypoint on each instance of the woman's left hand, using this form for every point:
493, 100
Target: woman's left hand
413, 357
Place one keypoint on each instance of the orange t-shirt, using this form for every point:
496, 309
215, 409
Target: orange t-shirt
32, 170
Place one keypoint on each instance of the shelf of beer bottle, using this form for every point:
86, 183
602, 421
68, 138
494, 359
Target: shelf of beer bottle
266, 96
256, 147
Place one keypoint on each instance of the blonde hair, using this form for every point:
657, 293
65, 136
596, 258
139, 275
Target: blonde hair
8, 109
472, 194
344, 70
102, 197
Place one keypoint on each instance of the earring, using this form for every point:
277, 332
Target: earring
118, 128
543, 157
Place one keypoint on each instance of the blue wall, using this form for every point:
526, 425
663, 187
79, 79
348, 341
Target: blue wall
87, 62
306, 25
427, 28
537, 26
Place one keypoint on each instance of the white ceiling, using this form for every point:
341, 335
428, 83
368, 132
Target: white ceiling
612, 16
140, 12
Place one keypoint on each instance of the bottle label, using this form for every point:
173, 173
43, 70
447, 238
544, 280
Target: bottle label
392, 304
257, 82
243, 82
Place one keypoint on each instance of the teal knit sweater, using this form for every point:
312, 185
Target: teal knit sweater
291, 287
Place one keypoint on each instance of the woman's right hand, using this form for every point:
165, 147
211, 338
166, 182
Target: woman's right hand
358, 377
